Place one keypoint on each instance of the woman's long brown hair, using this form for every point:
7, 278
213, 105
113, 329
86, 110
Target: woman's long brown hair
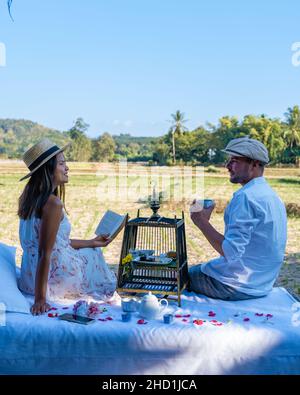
37, 191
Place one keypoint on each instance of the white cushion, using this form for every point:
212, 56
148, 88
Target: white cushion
10, 295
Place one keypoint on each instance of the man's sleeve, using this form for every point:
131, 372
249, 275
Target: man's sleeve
243, 219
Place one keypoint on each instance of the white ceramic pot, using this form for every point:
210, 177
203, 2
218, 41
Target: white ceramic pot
150, 307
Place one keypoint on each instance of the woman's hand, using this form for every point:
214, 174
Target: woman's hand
40, 307
101, 241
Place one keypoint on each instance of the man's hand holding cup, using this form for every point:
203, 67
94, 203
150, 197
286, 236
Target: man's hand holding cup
201, 211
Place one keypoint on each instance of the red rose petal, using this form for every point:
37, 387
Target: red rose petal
198, 322
259, 314
141, 322
246, 319
108, 318
184, 320
186, 315
211, 314
178, 315
269, 315
216, 323
53, 308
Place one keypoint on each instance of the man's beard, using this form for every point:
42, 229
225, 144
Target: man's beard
235, 179
238, 179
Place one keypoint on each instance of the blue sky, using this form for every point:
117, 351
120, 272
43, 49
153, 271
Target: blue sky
126, 65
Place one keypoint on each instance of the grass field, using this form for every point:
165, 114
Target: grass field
94, 188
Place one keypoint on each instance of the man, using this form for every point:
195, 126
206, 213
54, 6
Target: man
252, 248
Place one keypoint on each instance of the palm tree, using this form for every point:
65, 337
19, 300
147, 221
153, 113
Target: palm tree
292, 134
177, 127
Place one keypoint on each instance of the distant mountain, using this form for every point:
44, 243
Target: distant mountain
17, 135
125, 138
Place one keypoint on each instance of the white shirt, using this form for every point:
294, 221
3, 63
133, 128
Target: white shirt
255, 240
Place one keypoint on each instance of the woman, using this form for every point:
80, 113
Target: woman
54, 266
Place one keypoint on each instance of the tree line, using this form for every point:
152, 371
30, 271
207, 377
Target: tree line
179, 145
200, 146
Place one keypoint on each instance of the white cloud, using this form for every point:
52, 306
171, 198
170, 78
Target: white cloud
128, 123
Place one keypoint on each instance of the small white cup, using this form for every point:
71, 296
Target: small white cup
199, 205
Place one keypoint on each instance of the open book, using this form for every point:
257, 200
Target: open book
111, 223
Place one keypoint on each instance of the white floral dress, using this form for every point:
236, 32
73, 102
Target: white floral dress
72, 273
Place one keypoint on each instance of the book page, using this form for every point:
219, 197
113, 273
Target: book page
111, 223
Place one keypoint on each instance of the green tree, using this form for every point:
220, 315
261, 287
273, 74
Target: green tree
268, 131
200, 145
104, 148
227, 129
81, 148
161, 153
177, 128
79, 128
292, 134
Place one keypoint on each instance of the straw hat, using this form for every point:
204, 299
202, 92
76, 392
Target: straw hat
39, 154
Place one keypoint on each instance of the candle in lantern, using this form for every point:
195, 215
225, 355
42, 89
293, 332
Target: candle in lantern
154, 195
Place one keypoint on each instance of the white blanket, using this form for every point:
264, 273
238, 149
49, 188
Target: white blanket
258, 336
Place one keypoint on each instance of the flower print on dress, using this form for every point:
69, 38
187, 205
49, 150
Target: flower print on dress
72, 273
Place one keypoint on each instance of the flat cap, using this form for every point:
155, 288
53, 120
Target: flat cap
249, 148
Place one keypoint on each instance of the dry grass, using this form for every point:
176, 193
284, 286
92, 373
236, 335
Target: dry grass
86, 203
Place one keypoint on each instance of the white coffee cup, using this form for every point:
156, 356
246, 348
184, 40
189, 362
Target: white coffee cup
199, 205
